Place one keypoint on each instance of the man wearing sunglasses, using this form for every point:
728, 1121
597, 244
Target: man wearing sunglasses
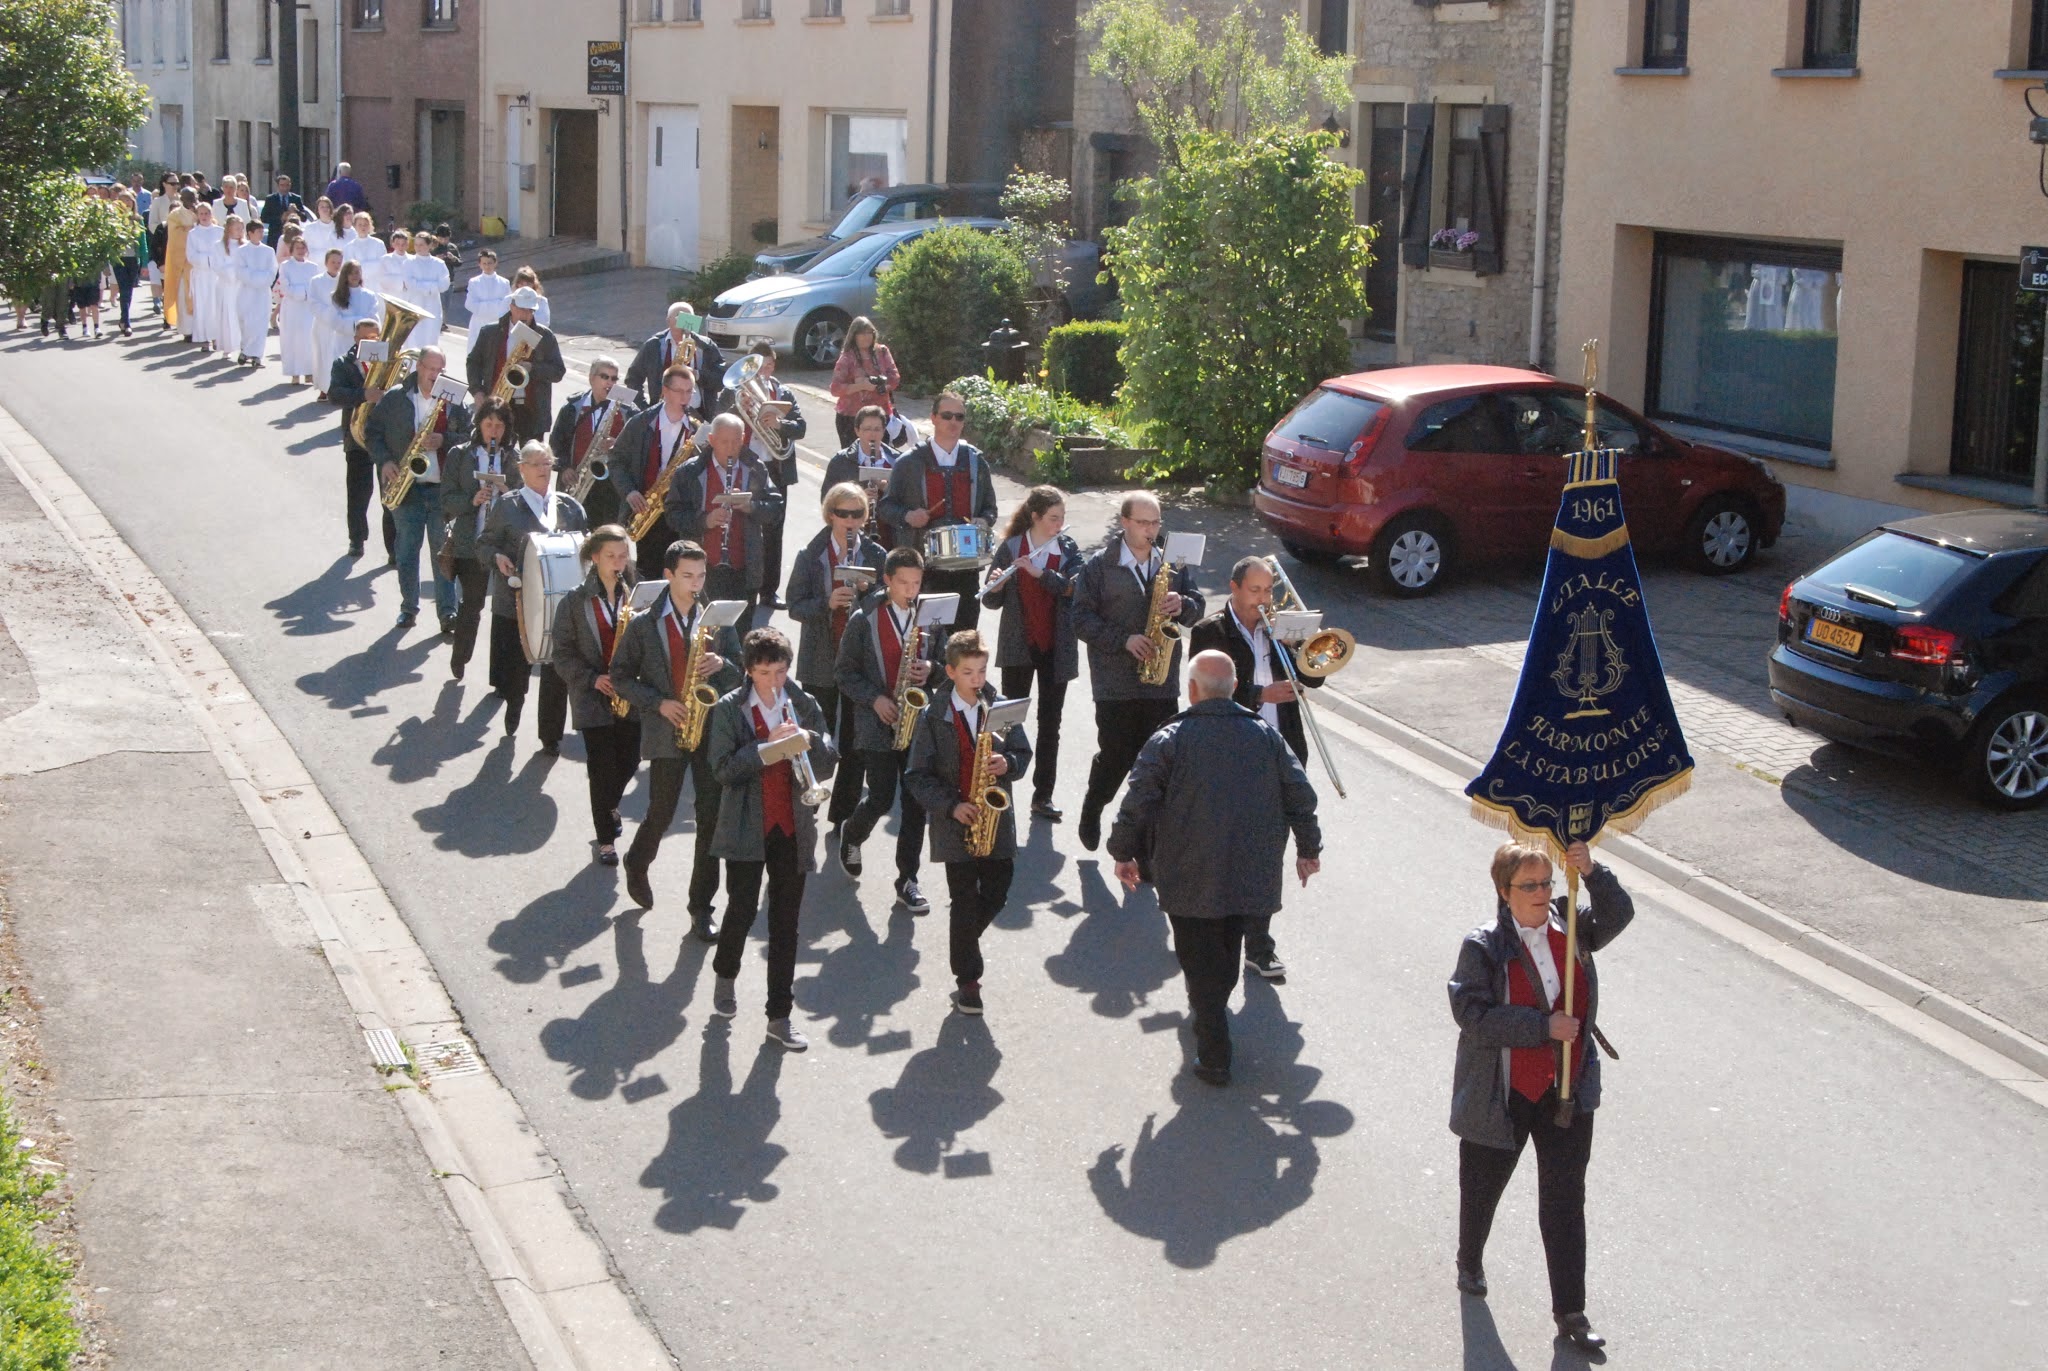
604, 408
822, 600
943, 481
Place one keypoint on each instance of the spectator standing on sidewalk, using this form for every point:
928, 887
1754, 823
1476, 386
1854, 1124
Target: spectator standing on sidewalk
863, 362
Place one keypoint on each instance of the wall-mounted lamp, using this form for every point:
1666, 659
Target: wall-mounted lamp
604, 107
761, 140
1330, 125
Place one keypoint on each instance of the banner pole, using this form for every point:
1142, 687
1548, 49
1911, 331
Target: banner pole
1571, 966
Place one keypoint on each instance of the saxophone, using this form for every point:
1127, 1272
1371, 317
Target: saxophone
649, 517
910, 699
512, 377
990, 799
413, 465
1163, 632
595, 468
618, 702
699, 698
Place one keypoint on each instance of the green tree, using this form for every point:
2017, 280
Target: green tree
66, 104
1040, 211
1238, 273
1190, 74
944, 293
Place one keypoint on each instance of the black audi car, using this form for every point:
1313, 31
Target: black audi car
1928, 638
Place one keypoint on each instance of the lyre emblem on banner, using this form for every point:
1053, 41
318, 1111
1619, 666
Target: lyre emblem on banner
1591, 664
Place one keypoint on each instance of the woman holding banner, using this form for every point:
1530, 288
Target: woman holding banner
1513, 1040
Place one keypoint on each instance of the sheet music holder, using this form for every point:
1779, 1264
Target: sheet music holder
1185, 549
874, 475
741, 500
859, 577
525, 334
372, 350
719, 613
936, 611
447, 388
1293, 625
646, 593
782, 749
1004, 715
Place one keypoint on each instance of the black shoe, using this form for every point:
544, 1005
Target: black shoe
355, 550
1091, 828
448, 628
408, 619
637, 888
1211, 1075
1472, 1281
455, 670
849, 857
912, 896
770, 601
551, 749
1269, 966
618, 825
1047, 810
1576, 1332
703, 928
607, 855
967, 999
512, 717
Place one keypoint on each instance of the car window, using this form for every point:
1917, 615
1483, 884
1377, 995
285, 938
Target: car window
901, 212
2027, 598
1468, 423
1328, 419
1904, 572
846, 257
1553, 422
859, 215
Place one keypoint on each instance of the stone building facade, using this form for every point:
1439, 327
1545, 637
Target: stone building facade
409, 110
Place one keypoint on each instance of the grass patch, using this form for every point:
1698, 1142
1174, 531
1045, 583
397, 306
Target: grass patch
38, 1329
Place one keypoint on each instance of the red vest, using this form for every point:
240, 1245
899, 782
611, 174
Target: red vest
1533, 1070
966, 739
678, 656
607, 627
959, 501
778, 791
650, 470
1039, 609
890, 642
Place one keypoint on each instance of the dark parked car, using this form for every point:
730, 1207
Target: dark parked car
881, 208
1928, 638
1420, 468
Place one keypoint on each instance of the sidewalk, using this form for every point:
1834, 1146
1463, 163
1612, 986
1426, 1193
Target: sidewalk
249, 1190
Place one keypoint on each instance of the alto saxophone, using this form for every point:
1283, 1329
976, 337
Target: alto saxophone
649, 517
413, 465
1162, 632
990, 799
595, 468
618, 702
910, 699
512, 377
698, 699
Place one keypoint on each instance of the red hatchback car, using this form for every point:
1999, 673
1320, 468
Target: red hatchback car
1420, 469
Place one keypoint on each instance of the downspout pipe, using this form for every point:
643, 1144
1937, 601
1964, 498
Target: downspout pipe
1539, 285
931, 96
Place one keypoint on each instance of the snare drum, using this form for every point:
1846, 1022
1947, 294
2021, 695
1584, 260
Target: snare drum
958, 547
549, 573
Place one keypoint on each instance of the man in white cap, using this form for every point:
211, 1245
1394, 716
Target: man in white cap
532, 404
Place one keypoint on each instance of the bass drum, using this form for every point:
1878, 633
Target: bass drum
548, 574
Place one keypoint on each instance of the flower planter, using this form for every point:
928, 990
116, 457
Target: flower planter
1451, 260
1104, 466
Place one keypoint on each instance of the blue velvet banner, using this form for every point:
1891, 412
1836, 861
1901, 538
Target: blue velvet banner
1591, 741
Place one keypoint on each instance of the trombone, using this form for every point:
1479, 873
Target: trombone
1323, 653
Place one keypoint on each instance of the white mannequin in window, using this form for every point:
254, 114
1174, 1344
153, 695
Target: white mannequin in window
1766, 299
1805, 308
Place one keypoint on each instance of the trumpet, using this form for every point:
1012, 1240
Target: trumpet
809, 791
1322, 653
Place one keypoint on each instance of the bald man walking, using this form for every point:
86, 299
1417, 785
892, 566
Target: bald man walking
1212, 798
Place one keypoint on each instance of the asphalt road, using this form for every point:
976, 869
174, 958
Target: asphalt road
1780, 1180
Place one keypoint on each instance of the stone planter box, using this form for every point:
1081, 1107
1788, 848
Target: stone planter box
1448, 260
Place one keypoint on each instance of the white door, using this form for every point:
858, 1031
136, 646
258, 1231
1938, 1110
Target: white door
672, 162
515, 129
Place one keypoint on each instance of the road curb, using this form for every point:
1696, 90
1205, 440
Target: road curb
1910, 992
560, 1289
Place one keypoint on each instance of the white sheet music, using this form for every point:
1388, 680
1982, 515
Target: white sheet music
719, 613
934, 611
1185, 549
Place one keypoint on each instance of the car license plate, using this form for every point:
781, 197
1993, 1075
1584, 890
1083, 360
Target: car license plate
1290, 476
1835, 636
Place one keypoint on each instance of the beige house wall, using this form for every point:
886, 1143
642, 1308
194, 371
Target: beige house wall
800, 67
1911, 166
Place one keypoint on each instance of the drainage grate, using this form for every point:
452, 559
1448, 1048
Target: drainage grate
456, 1057
384, 1048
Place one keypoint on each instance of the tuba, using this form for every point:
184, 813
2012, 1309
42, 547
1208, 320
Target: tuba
1162, 632
399, 320
990, 799
910, 699
757, 405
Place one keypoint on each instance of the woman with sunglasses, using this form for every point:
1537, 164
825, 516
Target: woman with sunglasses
821, 601
1513, 1037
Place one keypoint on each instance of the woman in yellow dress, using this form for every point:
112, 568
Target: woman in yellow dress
178, 223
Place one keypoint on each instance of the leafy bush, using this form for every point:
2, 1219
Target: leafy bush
1001, 416
713, 279
1081, 360
944, 293
1268, 229
38, 1331
427, 214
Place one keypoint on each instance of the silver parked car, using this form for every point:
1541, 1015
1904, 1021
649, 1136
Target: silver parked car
806, 312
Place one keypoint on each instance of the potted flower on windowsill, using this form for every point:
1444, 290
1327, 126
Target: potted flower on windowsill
1452, 249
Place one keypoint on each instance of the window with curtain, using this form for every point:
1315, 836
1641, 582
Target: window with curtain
2037, 37
263, 30
368, 14
437, 14
1461, 165
1665, 25
866, 152
220, 30
1831, 33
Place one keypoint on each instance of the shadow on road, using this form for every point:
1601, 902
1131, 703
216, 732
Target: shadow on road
943, 1091
718, 1157
1484, 1350
540, 937
417, 748
633, 1021
1231, 1161
1039, 864
311, 610
860, 982
498, 812
351, 682
1118, 952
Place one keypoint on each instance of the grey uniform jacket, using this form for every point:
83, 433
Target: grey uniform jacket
543, 368
810, 604
579, 651
933, 776
1219, 633
736, 762
1212, 798
642, 674
459, 485
629, 453
1110, 604
685, 517
862, 675
391, 424
562, 437
1488, 1024
510, 520
643, 374
1013, 643
907, 492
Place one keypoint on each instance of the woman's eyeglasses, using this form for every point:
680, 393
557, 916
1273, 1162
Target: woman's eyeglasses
956, 415
849, 514
1531, 887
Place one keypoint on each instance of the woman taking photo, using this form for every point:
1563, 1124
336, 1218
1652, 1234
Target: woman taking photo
586, 628
1507, 996
862, 363
476, 473
1032, 581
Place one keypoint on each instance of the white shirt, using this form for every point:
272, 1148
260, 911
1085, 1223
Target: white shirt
543, 508
945, 456
1143, 570
969, 710
671, 433
1537, 940
685, 621
1262, 664
771, 710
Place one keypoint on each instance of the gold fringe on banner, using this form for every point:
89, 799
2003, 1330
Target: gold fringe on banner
1506, 819
1589, 549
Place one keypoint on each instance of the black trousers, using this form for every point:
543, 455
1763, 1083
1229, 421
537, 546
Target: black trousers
362, 488
844, 423
604, 507
649, 551
1561, 1158
967, 585
512, 674
1037, 679
1121, 728
771, 549
664, 790
1209, 952
729, 583
847, 780
125, 275
785, 901
612, 755
976, 888
884, 770
475, 584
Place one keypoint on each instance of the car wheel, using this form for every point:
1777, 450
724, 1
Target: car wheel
2008, 755
1411, 555
1722, 536
820, 337
1309, 556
